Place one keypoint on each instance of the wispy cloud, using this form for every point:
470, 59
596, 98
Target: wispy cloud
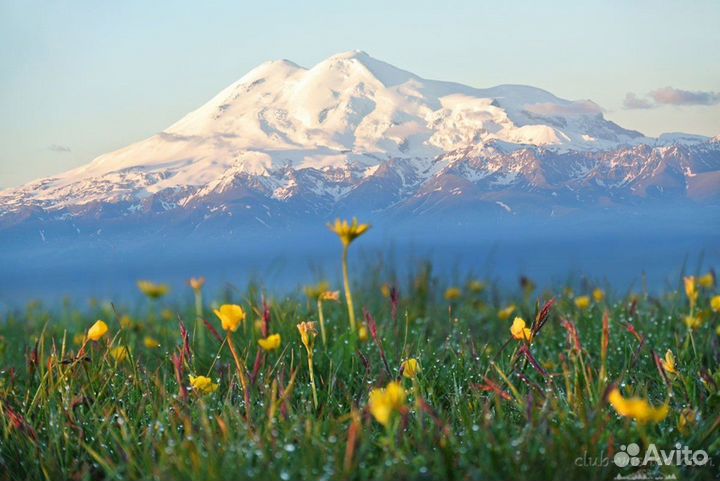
632, 101
670, 96
673, 96
62, 149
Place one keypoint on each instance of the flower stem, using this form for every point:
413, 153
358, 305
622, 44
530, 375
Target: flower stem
348, 294
241, 375
321, 317
199, 331
312, 379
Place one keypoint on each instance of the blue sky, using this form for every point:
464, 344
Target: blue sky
85, 77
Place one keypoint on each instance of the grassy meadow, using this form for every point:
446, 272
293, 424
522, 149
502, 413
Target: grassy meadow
433, 381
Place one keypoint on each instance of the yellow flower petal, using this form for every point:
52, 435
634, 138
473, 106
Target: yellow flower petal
636, 408
519, 330
270, 343
410, 368
231, 316
97, 331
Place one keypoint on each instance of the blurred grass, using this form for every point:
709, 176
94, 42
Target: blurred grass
94, 417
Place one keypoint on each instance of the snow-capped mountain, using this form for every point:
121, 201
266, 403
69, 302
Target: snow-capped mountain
354, 134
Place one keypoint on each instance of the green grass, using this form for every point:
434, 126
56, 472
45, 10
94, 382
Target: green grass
64, 417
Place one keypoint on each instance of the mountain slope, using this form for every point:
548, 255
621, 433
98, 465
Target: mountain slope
355, 134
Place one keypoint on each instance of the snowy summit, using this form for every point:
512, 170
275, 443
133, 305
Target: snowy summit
354, 126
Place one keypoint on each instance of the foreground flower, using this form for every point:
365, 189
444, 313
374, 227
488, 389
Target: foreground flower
231, 316
202, 384
119, 353
687, 421
504, 314
520, 331
97, 331
151, 343
152, 290
582, 302
386, 401
637, 408
707, 281
308, 331
598, 295
410, 368
691, 291
715, 304
453, 294
693, 322
270, 343
348, 233
669, 363
363, 334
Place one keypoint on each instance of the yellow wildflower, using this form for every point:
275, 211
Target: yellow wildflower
97, 331
598, 295
385, 401
308, 331
270, 343
669, 363
582, 302
202, 384
119, 353
348, 232
330, 296
715, 303
453, 294
258, 326
152, 290
687, 420
307, 334
315, 291
126, 322
363, 333
504, 314
476, 286
519, 330
636, 408
410, 368
151, 343
707, 281
385, 290
691, 290
693, 322
197, 283
231, 316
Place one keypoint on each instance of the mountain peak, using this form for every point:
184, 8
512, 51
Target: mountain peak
388, 75
351, 54
284, 131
